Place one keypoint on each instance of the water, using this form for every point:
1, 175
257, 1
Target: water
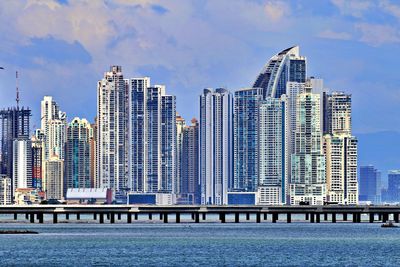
205, 244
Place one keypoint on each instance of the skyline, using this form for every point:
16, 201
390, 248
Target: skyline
342, 45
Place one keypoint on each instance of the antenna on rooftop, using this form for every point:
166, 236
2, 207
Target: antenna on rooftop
17, 90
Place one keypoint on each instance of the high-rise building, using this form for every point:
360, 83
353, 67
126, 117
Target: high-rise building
272, 151
160, 141
56, 138
137, 127
50, 111
78, 154
286, 66
393, 189
337, 117
112, 169
37, 159
54, 169
22, 171
308, 174
216, 134
5, 190
14, 123
341, 168
190, 163
370, 184
245, 125
93, 155
180, 126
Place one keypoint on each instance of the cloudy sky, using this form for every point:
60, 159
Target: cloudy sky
62, 48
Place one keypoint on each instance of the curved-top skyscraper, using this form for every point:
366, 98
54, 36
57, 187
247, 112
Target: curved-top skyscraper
286, 66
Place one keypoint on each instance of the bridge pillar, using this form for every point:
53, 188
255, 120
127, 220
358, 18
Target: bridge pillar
307, 216
371, 217
26, 216
222, 217
247, 216
196, 217
78, 216
237, 217
204, 216
396, 217
385, 217
318, 217
177, 217
344, 216
129, 218
108, 216
119, 216
192, 215
32, 217
288, 217
94, 216
274, 217
379, 216
54, 217
165, 217
265, 216
354, 217
101, 215
15, 216
67, 216
136, 216
161, 216
312, 218
40, 215
150, 216
112, 217
333, 215
325, 216
258, 217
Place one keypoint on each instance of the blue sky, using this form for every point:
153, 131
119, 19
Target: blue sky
62, 48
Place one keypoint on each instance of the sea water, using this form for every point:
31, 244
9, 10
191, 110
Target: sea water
204, 244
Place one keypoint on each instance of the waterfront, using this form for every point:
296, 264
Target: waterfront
145, 244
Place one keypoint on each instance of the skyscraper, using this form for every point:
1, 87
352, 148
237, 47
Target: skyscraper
111, 131
37, 159
370, 184
54, 169
341, 168
180, 127
78, 154
272, 151
393, 190
245, 125
14, 125
22, 169
216, 143
337, 115
190, 163
137, 127
5, 190
160, 141
286, 66
50, 111
308, 177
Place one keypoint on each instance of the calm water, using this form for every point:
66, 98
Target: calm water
297, 244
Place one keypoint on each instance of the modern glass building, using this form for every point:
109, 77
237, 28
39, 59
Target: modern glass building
216, 145
78, 154
245, 125
308, 174
393, 190
370, 184
272, 151
286, 66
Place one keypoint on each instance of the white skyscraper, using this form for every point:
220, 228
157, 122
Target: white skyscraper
308, 177
112, 131
5, 190
272, 151
216, 133
22, 169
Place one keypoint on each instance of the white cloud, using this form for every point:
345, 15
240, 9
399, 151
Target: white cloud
390, 8
329, 34
355, 8
375, 35
276, 10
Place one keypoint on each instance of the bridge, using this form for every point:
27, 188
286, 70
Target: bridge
257, 214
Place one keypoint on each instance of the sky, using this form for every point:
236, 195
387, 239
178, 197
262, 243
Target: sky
62, 48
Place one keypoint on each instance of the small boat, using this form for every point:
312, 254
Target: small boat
17, 232
389, 224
